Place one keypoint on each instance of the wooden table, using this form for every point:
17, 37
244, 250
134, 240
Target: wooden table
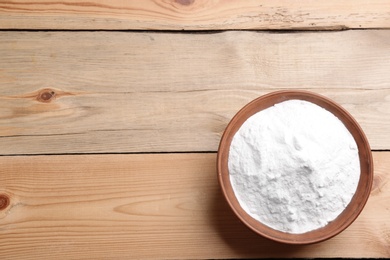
111, 113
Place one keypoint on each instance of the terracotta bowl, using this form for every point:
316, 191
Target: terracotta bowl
358, 201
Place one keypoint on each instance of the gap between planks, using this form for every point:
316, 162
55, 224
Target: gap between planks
153, 206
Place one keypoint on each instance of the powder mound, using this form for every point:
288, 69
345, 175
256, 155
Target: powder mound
294, 166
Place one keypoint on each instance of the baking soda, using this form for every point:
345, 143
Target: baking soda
294, 166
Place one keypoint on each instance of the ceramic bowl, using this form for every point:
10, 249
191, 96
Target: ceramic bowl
359, 199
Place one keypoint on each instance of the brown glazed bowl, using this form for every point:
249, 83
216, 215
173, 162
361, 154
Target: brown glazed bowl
358, 201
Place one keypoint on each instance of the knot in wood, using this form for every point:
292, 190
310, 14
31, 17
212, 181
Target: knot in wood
4, 201
46, 95
185, 2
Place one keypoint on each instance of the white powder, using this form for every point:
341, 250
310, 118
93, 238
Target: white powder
294, 166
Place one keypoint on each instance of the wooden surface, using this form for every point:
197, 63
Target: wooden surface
156, 206
153, 92
108, 138
194, 14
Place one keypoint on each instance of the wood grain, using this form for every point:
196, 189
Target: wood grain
99, 92
194, 14
152, 206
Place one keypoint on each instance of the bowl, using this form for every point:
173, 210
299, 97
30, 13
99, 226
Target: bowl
359, 199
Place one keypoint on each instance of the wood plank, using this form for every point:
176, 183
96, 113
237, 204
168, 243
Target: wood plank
194, 14
153, 92
153, 206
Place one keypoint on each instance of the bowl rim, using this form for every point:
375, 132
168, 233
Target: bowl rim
358, 201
